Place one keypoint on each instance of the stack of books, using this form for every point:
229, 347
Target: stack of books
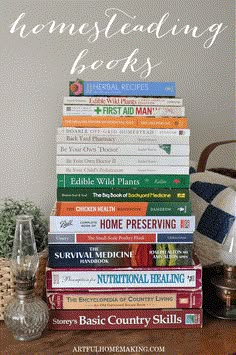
121, 235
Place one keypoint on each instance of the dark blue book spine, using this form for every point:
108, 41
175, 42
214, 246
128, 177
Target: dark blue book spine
119, 255
175, 238
119, 88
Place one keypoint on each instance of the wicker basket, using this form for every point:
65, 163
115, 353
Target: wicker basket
7, 281
202, 163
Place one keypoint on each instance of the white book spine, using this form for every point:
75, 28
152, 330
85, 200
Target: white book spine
122, 149
153, 111
121, 139
155, 170
121, 131
123, 278
117, 100
120, 160
114, 224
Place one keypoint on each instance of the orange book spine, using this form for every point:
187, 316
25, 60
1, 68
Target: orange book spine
101, 208
125, 122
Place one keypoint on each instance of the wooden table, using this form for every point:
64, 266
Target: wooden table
217, 337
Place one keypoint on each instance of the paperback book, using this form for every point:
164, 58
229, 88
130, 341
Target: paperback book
120, 88
123, 208
123, 131
125, 122
127, 169
131, 194
122, 180
155, 111
122, 149
125, 100
119, 238
119, 160
121, 139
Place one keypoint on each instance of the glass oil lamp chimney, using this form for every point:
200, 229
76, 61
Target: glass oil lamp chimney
225, 283
26, 315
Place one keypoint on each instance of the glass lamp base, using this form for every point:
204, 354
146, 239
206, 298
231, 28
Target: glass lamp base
27, 338
26, 316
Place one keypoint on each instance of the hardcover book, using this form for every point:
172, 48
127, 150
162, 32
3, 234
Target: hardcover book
119, 255
124, 319
114, 224
154, 278
125, 300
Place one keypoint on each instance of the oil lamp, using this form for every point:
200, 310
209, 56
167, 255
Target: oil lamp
26, 315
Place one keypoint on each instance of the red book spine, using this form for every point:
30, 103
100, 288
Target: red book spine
124, 319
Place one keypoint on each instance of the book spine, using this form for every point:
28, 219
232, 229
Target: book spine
122, 149
119, 238
117, 160
123, 194
182, 277
121, 139
122, 131
114, 224
105, 319
129, 169
154, 111
119, 255
119, 88
125, 122
119, 100
119, 180
123, 208
125, 300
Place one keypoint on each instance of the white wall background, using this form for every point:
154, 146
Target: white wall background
35, 72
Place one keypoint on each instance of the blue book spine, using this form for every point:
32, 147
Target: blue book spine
120, 88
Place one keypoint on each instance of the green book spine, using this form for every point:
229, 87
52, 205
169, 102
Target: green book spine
123, 194
102, 180
169, 209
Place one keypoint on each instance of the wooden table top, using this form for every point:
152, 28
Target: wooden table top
217, 337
